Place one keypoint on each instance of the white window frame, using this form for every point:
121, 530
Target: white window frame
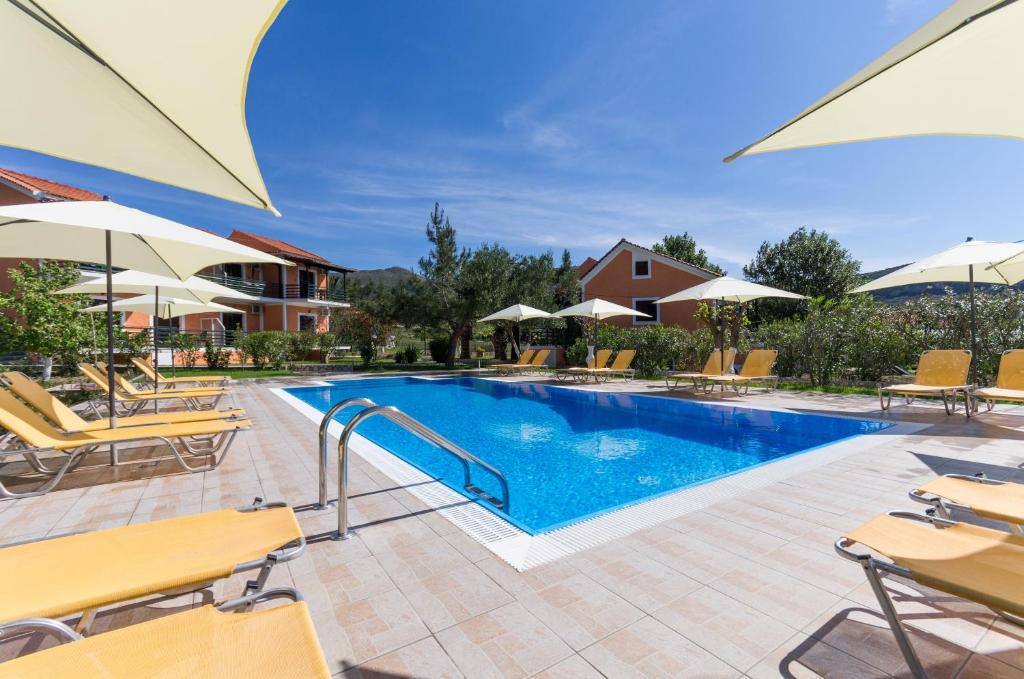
640, 320
245, 319
298, 320
637, 257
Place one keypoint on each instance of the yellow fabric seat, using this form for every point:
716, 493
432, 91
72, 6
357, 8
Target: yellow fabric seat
1000, 501
1009, 380
538, 362
979, 564
756, 368
713, 367
62, 576
30, 427
151, 374
131, 390
99, 378
620, 366
940, 372
524, 359
67, 419
278, 642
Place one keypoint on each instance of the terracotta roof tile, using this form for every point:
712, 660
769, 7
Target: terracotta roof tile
280, 248
51, 188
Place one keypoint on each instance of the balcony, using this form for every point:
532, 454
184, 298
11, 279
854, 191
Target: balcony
302, 291
247, 287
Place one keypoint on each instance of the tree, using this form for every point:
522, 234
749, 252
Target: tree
684, 248
810, 263
38, 322
567, 282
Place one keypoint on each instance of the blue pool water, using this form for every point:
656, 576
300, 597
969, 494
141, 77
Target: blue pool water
568, 454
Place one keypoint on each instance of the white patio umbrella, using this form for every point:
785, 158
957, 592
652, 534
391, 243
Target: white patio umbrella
974, 261
153, 89
959, 74
104, 231
166, 307
517, 313
194, 289
727, 289
599, 310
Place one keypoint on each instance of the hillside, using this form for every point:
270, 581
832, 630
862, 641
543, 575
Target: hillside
389, 277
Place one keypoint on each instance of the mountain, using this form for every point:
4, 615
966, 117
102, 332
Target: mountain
389, 277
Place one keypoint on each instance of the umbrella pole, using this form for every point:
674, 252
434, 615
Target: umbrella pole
974, 324
156, 349
95, 351
110, 348
721, 342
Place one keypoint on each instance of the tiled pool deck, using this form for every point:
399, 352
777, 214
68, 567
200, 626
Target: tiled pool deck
746, 587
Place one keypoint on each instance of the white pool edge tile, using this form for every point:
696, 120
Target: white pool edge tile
523, 551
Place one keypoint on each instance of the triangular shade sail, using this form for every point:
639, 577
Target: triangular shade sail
959, 74
153, 89
728, 289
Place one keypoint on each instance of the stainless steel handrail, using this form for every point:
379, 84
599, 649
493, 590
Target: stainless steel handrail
322, 502
420, 430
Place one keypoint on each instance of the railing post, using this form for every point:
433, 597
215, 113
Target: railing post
325, 424
343, 532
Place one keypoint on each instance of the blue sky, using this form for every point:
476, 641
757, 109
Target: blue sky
574, 123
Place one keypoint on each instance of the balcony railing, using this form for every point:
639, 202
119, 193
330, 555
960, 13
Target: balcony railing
247, 287
302, 291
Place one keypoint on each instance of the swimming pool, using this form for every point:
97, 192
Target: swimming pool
569, 454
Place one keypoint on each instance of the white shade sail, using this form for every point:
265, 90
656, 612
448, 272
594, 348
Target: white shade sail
953, 265
959, 74
140, 283
728, 289
516, 313
74, 230
600, 310
166, 307
153, 89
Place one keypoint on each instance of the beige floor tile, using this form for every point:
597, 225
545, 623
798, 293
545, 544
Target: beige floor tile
784, 598
573, 667
983, 667
648, 648
642, 580
804, 657
733, 631
580, 611
424, 659
506, 642
458, 594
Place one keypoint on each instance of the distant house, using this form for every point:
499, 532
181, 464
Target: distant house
635, 276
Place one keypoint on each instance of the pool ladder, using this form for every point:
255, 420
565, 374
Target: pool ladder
371, 409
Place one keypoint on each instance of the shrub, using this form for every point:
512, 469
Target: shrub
301, 345
407, 356
187, 346
327, 342
269, 347
216, 356
438, 350
577, 353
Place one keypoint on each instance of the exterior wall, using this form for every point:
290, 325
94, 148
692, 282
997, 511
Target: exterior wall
9, 196
615, 283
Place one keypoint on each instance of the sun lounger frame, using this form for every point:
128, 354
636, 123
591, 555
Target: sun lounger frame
942, 506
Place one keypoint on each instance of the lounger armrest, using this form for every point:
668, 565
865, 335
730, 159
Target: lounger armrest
842, 547
53, 628
250, 600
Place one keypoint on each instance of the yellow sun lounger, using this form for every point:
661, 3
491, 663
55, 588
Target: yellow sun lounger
984, 497
620, 367
941, 372
1009, 381
201, 643
69, 421
713, 367
536, 364
151, 374
600, 360
81, 573
757, 367
524, 359
132, 400
39, 437
979, 564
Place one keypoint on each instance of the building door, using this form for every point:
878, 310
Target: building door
234, 327
307, 284
307, 323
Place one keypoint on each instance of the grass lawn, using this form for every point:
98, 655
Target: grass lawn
830, 389
237, 373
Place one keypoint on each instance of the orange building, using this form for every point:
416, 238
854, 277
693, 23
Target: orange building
635, 276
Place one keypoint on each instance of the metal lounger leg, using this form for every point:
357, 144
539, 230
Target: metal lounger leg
6, 494
898, 631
